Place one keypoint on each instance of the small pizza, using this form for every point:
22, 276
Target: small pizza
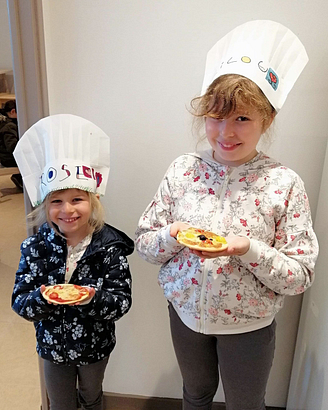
202, 240
65, 294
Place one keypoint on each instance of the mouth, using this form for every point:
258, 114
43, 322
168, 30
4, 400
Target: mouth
69, 220
228, 146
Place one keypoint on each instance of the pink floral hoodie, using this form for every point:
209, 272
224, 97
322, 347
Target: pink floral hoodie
260, 199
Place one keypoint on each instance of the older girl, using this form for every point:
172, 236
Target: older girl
222, 305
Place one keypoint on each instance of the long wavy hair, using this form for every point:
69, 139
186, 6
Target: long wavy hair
226, 95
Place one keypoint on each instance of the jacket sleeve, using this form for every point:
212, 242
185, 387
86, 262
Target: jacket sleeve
288, 267
113, 297
27, 300
153, 240
10, 137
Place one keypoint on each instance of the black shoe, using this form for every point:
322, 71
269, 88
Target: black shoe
17, 180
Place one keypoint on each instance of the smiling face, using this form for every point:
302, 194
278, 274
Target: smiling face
236, 114
70, 210
234, 139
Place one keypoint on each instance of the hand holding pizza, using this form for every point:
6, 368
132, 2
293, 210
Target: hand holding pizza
67, 294
207, 244
177, 227
237, 245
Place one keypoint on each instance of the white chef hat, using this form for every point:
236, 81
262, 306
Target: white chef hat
63, 151
264, 51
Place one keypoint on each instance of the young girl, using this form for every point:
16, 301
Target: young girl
222, 305
75, 246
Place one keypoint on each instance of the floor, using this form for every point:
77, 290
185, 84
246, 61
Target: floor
19, 375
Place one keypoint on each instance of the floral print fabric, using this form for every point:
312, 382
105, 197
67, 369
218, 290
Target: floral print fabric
74, 334
262, 200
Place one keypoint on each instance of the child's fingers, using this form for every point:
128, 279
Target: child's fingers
211, 255
92, 292
177, 227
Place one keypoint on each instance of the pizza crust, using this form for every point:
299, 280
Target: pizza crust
201, 240
68, 293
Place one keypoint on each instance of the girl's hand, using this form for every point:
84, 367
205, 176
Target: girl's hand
177, 227
92, 292
237, 245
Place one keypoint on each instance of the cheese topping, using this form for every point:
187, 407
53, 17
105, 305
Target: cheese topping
65, 293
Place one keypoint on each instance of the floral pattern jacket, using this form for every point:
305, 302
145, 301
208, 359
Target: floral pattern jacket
262, 200
74, 334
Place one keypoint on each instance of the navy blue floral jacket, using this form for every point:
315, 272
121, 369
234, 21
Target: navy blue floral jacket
74, 334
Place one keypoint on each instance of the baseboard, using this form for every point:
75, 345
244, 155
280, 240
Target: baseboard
114, 401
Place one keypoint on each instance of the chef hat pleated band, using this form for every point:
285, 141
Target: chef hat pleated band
63, 151
264, 51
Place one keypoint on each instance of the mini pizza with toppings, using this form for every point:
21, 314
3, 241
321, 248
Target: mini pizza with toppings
66, 293
202, 240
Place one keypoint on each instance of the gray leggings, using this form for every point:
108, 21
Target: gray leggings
61, 385
245, 362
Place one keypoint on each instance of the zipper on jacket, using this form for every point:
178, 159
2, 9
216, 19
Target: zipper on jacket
208, 262
64, 338
202, 296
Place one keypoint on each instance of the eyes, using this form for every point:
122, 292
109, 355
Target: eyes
59, 201
240, 118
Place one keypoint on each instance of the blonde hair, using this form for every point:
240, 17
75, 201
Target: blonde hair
226, 95
40, 215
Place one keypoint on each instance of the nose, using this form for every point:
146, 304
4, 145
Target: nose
67, 207
226, 128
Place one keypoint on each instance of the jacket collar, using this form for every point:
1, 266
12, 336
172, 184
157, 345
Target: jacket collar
207, 156
107, 236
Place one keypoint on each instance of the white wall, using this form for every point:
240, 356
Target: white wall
308, 388
132, 66
5, 50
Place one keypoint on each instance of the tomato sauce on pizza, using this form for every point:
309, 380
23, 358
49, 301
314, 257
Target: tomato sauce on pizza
65, 293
